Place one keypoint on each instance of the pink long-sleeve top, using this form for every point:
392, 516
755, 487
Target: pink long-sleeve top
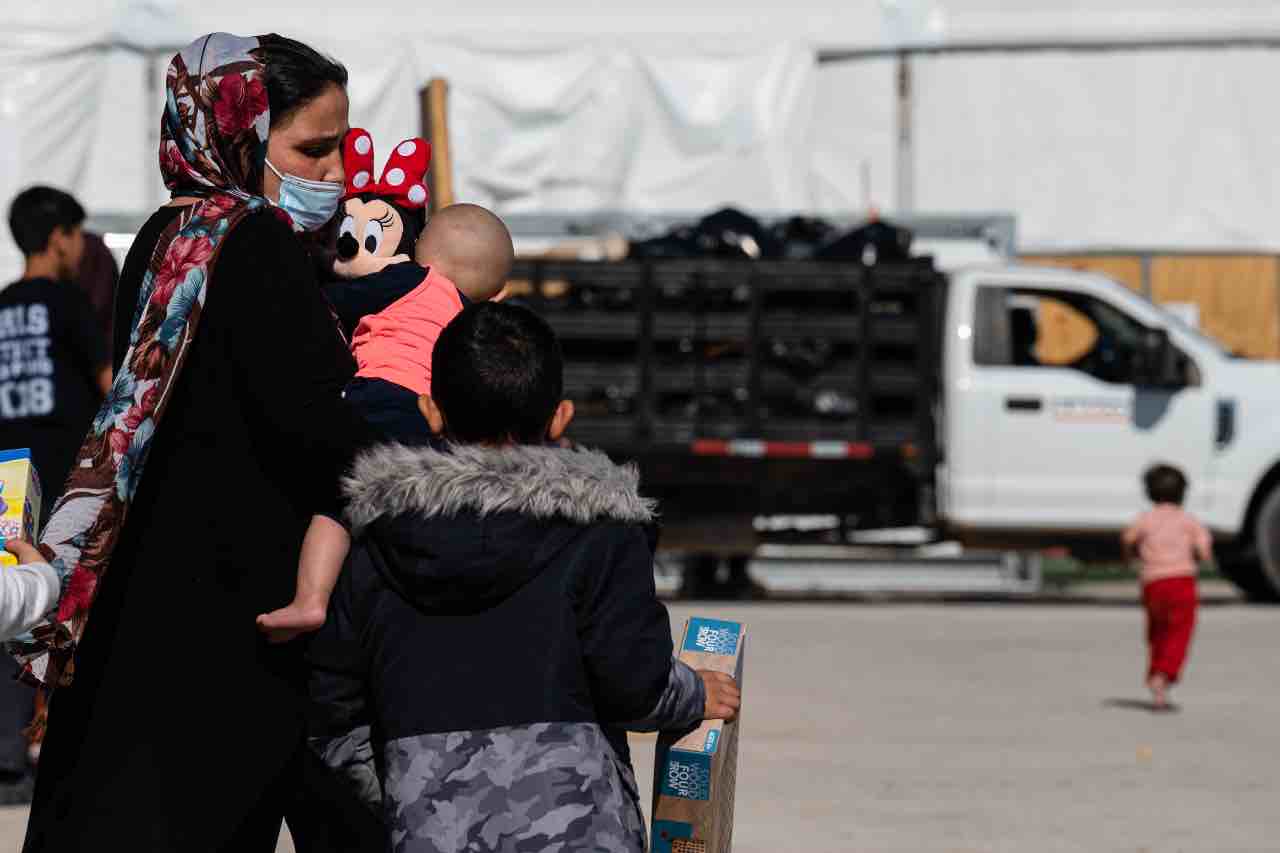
396, 343
1170, 542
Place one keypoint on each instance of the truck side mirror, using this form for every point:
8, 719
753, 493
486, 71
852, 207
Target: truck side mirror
1158, 363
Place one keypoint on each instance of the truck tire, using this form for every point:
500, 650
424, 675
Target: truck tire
1245, 572
1265, 583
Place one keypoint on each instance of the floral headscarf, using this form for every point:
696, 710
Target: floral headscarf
213, 145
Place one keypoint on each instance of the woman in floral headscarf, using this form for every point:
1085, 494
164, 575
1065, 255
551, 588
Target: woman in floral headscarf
172, 724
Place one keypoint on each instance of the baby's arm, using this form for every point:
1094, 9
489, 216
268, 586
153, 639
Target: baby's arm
324, 550
28, 591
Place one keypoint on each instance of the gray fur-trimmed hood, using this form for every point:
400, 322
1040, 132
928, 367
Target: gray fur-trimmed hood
466, 527
580, 486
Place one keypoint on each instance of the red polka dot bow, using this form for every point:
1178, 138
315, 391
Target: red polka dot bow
404, 178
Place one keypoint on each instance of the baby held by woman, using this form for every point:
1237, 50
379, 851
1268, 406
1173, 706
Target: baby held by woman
463, 257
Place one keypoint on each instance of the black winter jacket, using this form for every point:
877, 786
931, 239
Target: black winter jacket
494, 632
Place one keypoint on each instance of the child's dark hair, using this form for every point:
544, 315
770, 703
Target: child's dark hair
294, 74
36, 212
497, 375
1165, 484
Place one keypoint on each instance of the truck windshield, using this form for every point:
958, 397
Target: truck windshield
1183, 326
1198, 334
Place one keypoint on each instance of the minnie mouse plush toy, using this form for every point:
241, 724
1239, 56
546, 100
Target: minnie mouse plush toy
380, 223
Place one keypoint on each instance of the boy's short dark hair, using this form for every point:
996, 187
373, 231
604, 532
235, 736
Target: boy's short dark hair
36, 212
1165, 484
497, 375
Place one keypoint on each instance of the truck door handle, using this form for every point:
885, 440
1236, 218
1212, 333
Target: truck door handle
1023, 404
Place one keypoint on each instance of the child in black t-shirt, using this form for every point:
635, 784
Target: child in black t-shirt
54, 365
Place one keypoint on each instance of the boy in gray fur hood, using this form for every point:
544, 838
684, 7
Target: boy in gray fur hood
496, 630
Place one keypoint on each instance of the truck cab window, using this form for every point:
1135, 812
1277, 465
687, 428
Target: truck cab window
1114, 355
1038, 329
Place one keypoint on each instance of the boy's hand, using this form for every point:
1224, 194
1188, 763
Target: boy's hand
24, 551
724, 699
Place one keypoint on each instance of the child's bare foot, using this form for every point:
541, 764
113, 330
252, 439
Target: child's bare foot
1159, 691
287, 623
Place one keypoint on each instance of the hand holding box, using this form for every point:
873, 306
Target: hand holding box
695, 774
19, 500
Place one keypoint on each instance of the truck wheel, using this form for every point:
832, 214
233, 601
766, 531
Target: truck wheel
1245, 572
1265, 585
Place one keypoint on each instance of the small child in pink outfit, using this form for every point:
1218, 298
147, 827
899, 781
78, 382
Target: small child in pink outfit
464, 255
1170, 543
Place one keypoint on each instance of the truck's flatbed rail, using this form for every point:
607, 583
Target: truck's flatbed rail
666, 352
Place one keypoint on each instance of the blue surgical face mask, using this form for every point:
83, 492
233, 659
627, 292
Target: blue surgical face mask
310, 204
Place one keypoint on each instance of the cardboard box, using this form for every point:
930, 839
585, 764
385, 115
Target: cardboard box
19, 500
695, 774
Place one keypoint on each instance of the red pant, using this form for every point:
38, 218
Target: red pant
1171, 617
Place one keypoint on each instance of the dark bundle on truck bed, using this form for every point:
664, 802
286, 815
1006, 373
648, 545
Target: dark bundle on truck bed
752, 388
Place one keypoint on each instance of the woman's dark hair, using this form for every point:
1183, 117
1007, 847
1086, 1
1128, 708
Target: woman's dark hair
295, 74
36, 212
497, 375
1165, 484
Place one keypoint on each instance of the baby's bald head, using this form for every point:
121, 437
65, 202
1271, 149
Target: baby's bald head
471, 247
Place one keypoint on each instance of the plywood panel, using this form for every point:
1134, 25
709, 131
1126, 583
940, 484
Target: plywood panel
1237, 296
1063, 334
1125, 269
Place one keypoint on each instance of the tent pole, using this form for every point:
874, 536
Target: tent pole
434, 104
905, 165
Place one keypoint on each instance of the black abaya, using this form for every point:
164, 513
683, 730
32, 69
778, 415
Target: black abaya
184, 728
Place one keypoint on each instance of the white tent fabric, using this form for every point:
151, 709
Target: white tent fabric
557, 106
1163, 149
602, 127
543, 124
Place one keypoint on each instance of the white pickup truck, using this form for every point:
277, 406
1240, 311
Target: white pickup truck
1004, 406
1037, 452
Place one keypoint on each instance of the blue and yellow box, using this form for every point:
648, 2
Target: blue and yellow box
19, 500
695, 772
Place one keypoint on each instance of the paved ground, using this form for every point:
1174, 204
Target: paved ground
993, 728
